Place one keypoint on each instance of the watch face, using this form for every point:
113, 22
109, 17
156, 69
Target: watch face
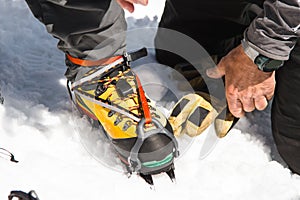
267, 64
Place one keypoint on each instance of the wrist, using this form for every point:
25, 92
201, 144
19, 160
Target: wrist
263, 62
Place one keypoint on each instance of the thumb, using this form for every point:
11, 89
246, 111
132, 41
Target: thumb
216, 72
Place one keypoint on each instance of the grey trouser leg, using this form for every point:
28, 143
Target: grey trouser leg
286, 111
86, 29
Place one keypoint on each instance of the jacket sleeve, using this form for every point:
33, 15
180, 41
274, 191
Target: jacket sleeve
276, 30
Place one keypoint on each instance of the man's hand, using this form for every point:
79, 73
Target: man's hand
129, 4
246, 86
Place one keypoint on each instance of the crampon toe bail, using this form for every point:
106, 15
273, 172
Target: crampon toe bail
153, 150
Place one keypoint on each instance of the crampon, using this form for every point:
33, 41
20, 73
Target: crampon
111, 94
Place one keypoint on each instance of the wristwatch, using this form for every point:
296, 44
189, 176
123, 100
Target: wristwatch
263, 62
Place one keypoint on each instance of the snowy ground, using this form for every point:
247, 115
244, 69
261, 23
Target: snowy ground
37, 125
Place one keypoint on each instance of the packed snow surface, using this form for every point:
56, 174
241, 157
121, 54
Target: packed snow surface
37, 124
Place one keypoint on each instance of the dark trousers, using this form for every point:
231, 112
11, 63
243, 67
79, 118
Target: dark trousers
286, 111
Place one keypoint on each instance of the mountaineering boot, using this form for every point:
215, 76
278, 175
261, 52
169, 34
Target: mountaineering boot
110, 93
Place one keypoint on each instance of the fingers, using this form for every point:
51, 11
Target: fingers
261, 99
234, 104
261, 103
126, 5
241, 102
129, 4
269, 96
247, 100
236, 108
248, 105
142, 2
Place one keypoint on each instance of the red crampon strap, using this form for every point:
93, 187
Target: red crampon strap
144, 102
91, 63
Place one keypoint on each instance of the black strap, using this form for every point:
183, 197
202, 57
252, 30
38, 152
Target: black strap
133, 56
20, 195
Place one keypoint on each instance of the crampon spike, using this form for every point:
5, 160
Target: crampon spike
147, 178
171, 174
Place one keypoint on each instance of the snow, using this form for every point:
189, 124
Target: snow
37, 124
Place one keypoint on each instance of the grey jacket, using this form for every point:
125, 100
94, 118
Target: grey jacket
276, 30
